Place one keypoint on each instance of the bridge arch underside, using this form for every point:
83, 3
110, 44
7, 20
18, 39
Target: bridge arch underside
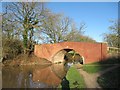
68, 55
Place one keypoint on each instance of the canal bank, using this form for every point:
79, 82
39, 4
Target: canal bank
73, 79
24, 59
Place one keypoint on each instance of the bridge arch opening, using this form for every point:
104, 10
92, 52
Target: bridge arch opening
68, 56
73, 56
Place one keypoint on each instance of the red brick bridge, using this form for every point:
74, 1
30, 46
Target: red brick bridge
91, 52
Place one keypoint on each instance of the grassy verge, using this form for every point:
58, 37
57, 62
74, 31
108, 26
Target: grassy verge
74, 79
110, 79
102, 65
94, 68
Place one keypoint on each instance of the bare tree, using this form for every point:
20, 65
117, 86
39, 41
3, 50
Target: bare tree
113, 36
55, 27
26, 17
77, 33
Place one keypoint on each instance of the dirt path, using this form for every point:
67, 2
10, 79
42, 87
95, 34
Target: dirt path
91, 79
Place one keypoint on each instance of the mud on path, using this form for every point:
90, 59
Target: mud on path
91, 79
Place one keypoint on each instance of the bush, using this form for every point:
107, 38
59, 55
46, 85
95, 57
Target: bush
11, 48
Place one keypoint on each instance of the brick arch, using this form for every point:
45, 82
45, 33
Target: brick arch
61, 53
91, 52
82, 54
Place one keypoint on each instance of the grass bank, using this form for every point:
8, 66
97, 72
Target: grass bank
94, 68
102, 65
74, 79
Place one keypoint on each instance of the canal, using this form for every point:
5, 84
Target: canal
33, 76
39, 76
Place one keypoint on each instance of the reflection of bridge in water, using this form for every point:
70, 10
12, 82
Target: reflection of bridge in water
91, 52
33, 76
50, 75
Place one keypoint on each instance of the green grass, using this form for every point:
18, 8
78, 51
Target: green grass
94, 68
75, 79
110, 79
102, 65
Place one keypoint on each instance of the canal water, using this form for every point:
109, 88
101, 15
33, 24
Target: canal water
33, 76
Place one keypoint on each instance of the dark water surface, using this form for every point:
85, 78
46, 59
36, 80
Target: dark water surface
33, 76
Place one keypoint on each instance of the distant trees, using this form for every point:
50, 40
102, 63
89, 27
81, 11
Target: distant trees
77, 34
114, 35
58, 28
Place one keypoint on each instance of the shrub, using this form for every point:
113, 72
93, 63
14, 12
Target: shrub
11, 48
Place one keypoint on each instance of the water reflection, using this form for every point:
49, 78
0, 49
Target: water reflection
33, 76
